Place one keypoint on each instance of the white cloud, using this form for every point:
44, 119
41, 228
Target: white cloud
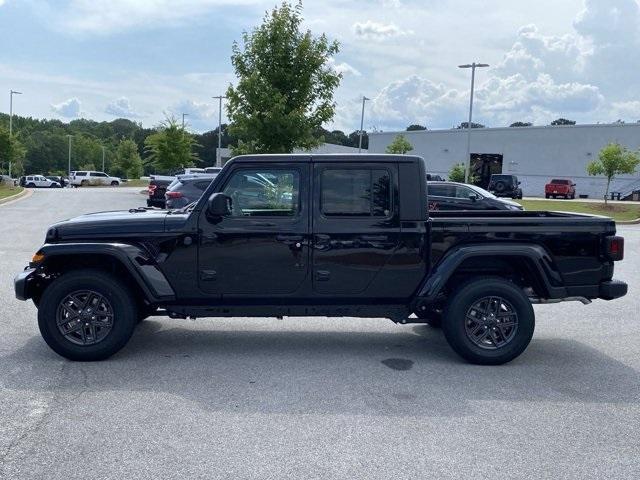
344, 68
70, 108
378, 31
121, 107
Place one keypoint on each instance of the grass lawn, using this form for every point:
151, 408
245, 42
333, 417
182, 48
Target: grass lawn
135, 183
7, 191
617, 211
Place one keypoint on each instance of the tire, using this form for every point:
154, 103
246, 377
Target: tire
462, 305
500, 186
31, 185
102, 285
114, 184
84, 183
547, 195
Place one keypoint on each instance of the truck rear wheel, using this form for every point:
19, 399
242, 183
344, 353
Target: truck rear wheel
86, 315
488, 321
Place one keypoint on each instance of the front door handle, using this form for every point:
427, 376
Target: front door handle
323, 275
373, 238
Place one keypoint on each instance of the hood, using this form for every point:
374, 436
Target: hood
110, 224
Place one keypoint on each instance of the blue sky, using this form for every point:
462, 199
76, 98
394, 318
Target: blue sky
142, 59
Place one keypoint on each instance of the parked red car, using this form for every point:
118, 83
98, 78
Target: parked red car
560, 188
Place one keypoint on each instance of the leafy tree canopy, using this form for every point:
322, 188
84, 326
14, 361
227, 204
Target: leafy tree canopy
456, 174
170, 147
521, 124
414, 127
563, 121
128, 163
399, 145
285, 85
614, 159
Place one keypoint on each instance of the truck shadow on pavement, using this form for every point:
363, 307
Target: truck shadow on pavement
325, 372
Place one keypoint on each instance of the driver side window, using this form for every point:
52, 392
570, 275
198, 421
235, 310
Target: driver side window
264, 192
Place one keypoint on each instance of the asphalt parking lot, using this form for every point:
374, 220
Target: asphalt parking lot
312, 397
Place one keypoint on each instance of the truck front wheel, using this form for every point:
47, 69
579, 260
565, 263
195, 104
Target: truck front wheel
86, 315
488, 321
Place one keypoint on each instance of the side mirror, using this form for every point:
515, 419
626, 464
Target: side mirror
473, 197
519, 183
573, 184
219, 205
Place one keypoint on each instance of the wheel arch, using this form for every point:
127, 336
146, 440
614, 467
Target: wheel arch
529, 265
130, 263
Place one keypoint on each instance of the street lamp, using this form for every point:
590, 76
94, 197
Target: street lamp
364, 99
11, 94
69, 176
219, 150
467, 163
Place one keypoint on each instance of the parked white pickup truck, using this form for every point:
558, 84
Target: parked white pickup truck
87, 178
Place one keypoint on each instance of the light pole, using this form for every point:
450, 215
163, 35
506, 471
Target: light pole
69, 173
103, 159
467, 163
184, 115
219, 150
364, 99
11, 94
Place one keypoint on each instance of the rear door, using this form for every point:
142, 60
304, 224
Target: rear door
356, 226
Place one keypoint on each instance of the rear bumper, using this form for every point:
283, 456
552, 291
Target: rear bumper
155, 202
22, 283
612, 289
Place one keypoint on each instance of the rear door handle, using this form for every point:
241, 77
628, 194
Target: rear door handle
289, 238
262, 224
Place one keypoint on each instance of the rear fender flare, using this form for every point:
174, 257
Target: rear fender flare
544, 267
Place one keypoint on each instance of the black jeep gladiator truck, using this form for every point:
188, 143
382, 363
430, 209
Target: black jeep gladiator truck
318, 235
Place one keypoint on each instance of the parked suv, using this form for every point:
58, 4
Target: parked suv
34, 181
186, 189
560, 188
505, 186
87, 178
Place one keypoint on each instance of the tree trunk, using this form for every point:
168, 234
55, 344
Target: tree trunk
606, 194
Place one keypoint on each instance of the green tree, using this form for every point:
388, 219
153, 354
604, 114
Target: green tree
456, 174
170, 147
521, 124
415, 127
399, 145
614, 159
563, 121
11, 151
285, 88
128, 162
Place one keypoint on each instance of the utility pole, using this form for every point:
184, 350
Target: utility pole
219, 149
11, 94
184, 115
69, 172
467, 163
364, 99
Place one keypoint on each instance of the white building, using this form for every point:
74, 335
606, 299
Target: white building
534, 154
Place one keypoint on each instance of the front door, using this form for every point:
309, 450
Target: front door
262, 248
356, 227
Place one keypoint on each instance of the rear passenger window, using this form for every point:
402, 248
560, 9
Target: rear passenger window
202, 185
355, 193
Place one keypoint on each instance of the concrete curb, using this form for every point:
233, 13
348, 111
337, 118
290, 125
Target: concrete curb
629, 222
26, 192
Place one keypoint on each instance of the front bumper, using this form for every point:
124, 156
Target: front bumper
612, 289
22, 283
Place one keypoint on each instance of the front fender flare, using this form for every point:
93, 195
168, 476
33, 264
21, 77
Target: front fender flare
542, 262
137, 261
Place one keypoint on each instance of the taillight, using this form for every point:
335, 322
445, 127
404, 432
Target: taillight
615, 248
173, 195
152, 188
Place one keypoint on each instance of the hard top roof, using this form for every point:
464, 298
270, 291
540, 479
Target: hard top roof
328, 157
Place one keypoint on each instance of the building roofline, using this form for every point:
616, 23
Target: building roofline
506, 129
